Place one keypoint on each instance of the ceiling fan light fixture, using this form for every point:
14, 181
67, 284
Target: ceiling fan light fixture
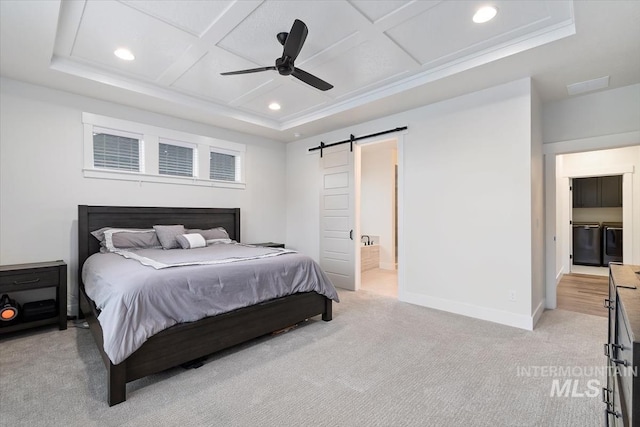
274, 106
485, 14
124, 53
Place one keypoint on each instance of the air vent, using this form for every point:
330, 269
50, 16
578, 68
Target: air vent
588, 86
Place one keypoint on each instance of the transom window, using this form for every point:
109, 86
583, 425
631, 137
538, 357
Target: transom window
124, 150
114, 150
222, 166
176, 159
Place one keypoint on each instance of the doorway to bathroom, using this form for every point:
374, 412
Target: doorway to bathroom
377, 216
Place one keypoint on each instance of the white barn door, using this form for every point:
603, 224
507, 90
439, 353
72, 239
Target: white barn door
337, 249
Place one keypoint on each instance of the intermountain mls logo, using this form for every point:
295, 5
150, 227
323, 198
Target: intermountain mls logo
575, 381
572, 388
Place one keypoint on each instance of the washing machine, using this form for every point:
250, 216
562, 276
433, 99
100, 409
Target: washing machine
611, 242
587, 246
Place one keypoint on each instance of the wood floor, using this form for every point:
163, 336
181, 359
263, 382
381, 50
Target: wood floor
583, 293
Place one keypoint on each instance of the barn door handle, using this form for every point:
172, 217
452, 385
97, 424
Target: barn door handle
351, 234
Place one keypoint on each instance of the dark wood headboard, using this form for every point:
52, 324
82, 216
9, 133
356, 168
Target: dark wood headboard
91, 218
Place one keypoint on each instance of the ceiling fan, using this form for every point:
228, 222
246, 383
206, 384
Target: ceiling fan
292, 42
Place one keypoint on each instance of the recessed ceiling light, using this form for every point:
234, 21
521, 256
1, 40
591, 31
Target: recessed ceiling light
125, 54
485, 14
297, 135
274, 106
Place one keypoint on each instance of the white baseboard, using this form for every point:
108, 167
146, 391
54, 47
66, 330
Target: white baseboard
537, 313
475, 311
559, 277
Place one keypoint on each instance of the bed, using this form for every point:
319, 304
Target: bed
183, 342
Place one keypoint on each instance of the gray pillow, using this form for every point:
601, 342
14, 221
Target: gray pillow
167, 235
211, 234
112, 239
115, 239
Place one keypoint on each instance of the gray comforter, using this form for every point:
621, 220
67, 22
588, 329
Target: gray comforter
137, 301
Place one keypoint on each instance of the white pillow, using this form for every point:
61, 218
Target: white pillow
190, 241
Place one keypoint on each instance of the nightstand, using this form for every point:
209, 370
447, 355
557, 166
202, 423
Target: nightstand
26, 277
268, 244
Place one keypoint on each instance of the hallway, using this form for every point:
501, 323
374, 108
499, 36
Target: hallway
583, 293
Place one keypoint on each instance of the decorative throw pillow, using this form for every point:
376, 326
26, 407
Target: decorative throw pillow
190, 241
167, 235
212, 233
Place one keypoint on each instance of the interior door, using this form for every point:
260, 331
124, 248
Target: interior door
337, 205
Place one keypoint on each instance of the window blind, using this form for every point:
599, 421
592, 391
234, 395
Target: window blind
222, 166
175, 160
116, 152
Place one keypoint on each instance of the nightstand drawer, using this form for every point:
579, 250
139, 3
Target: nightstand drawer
20, 281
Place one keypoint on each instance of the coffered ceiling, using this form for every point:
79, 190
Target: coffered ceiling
380, 55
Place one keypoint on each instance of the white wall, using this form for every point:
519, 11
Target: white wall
41, 180
537, 210
596, 114
467, 194
597, 215
377, 198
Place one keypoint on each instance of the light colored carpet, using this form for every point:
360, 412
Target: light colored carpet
380, 362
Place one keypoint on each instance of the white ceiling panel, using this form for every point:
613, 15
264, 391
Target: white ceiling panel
204, 80
375, 10
294, 98
255, 38
194, 16
446, 32
107, 25
365, 64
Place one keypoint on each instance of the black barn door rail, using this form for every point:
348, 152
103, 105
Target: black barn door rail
352, 139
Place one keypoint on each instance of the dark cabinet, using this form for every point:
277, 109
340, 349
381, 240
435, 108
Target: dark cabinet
623, 347
611, 191
597, 192
25, 277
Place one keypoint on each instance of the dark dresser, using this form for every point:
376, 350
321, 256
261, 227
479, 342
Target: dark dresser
622, 392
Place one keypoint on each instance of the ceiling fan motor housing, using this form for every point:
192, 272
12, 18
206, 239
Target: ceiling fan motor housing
284, 65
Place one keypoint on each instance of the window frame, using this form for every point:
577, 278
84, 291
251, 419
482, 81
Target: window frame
151, 137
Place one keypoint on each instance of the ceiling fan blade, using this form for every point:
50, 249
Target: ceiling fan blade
252, 70
311, 79
295, 39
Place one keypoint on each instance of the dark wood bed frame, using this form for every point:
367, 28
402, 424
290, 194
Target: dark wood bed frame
186, 341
